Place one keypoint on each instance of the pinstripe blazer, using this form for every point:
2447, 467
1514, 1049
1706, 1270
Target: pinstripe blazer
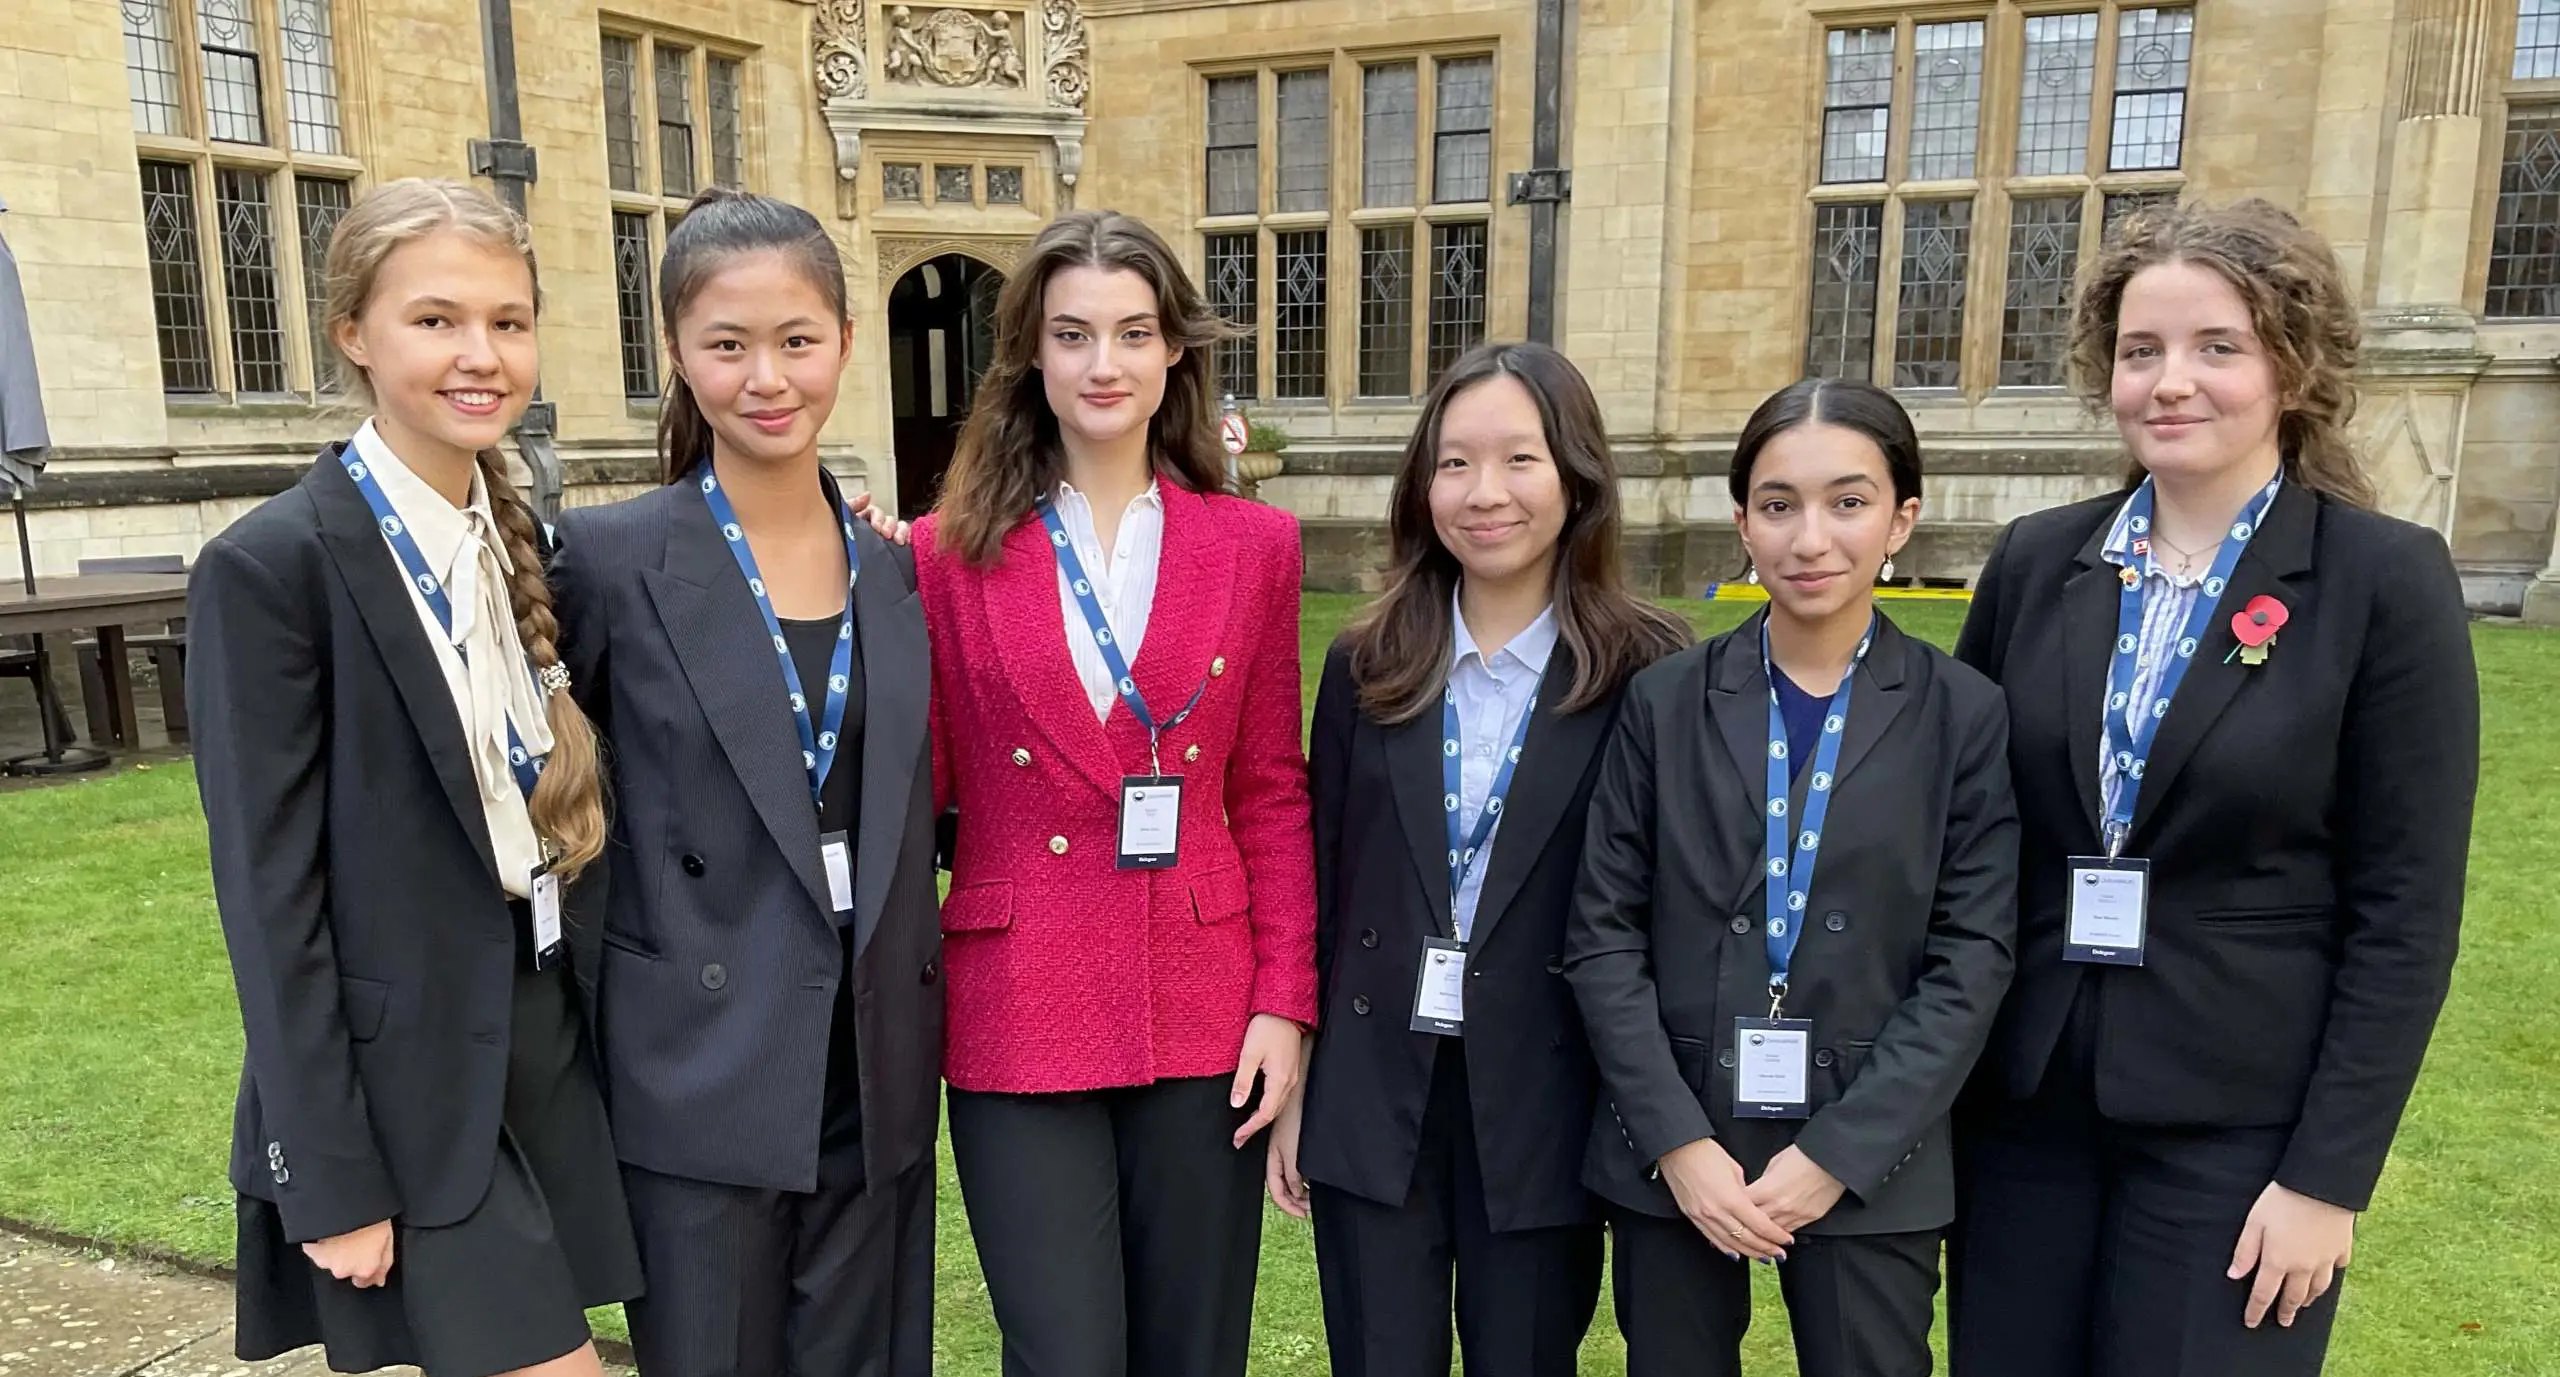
719, 959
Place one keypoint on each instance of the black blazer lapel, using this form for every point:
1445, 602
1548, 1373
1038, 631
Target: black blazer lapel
1738, 701
2278, 553
896, 688
2090, 601
711, 621
1877, 702
1413, 762
381, 595
1552, 762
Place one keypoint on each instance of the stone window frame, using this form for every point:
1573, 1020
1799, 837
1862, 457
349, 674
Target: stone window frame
651, 204
1348, 223
2503, 96
1993, 189
281, 170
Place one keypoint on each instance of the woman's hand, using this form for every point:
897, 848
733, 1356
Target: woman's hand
2297, 1246
888, 527
1280, 1162
1795, 1191
1272, 1048
362, 1257
1708, 1183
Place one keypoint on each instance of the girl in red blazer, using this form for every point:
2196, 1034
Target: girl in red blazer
1130, 934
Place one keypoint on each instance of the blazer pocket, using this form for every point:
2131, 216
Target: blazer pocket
629, 946
1218, 895
2296, 916
364, 1002
986, 906
1696, 1061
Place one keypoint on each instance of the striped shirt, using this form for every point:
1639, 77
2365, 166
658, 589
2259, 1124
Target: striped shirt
2167, 602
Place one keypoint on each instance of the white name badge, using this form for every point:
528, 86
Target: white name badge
837, 853
546, 918
1440, 989
2109, 910
1150, 822
1772, 1061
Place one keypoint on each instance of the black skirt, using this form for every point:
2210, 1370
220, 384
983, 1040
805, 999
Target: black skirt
506, 1286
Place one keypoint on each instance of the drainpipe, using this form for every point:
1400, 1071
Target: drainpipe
1548, 184
508, 162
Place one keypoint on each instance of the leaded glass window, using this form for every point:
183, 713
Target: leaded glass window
728, 123
310, 76
245, 217
1306, 156
2057, 78
676, 174
151, 68
2537, 40
1298, 335
1235, 173
1462, 131
227, 46
1233, 294
2153, 50
2035, 317
622, 111
1928, 336
1457, 292
1847, 253
1946, 99
1857, 104
320, 203
631, 271
177, 277
1388, 134
2524, 243
1386, 311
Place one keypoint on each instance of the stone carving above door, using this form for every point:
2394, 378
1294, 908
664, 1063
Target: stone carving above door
838, 48
952, 47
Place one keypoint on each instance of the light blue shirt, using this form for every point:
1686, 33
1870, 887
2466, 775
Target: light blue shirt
1493, 693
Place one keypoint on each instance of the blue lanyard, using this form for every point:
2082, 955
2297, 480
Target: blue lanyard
413, 562
818, 741
1105, 642
2132, 747
1465, 846
1790, 885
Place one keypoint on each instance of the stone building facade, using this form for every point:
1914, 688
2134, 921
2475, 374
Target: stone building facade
1758, 189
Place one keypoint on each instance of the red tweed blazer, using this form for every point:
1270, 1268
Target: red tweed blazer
1063, 973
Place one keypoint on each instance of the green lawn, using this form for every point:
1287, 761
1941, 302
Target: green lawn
120, 1047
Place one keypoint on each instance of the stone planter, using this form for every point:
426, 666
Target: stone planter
1253, 466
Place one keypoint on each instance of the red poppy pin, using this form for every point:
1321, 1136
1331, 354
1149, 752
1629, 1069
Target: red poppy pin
2255, 626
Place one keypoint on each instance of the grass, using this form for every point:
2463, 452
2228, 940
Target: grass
120, 1047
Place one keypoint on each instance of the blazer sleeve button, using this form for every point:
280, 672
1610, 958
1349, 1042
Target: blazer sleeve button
1555, 965
1741, 925
1822, 1057
715, 976
1021, 756
1368, 937
1057, 846
692, 865
1835, 920
1359, 1004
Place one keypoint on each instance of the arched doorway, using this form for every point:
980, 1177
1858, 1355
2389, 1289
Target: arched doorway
941, 339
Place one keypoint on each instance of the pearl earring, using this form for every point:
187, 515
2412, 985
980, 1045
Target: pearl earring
1886, 573
1751, 575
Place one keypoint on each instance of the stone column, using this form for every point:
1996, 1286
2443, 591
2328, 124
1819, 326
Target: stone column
2422, 349
2542, 596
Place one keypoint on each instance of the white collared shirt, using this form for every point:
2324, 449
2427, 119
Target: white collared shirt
484, 660
1493, 694
1124, 582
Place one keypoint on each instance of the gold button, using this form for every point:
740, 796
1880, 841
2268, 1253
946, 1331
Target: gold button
1057, 846
1217, 666
1192, 754
1021, 756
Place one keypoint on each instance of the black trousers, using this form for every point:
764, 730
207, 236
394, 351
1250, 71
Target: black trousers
1118, 1230
762, 1283
1524, 1299
1859, 1305
2087, 1248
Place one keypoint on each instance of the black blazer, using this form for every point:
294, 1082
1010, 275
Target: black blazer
720, 957
1382, 886
1901, 974
2306, 821
373, 947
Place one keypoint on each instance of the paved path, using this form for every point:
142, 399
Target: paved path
71, 1314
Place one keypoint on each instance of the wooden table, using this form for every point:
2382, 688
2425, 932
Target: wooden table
106, 603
